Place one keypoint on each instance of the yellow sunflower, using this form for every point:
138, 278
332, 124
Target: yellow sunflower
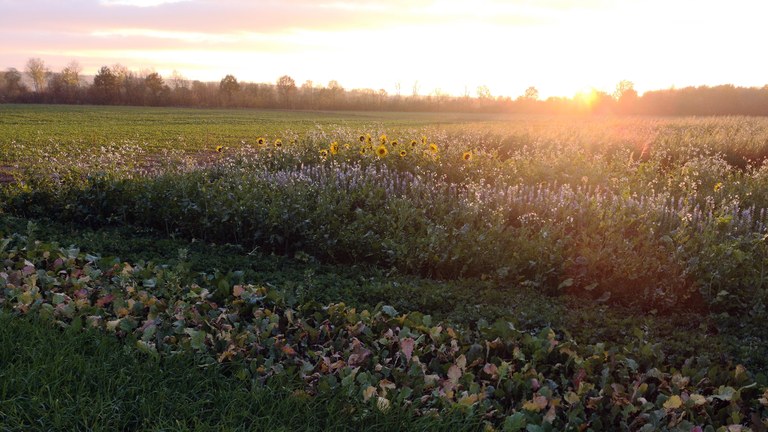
424, 139
219, 148
394, 143
382, 151
433, 148
278, 143
334, 148
467, 156
323, 153
383, 138
414, 143
362, 138
362, 151
403, 153
260, 141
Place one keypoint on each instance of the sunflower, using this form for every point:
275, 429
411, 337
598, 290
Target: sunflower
382, 151
347, 146
278, 143
323, 153
362, 151
394, 143
467, 156
219, 148
362, 138
260, 140
334, 148
433, 148
368, 139
403, 153
414, 143
424, 139
383, 139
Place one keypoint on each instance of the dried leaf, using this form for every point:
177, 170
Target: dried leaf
406, 346
454, 373
368, 393
673, 402
537, 404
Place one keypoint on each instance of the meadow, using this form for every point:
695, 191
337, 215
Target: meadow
483, 272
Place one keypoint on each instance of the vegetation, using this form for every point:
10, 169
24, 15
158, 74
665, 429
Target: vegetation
517, 273
117, 85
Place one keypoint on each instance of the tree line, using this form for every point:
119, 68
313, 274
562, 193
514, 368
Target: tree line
117, 85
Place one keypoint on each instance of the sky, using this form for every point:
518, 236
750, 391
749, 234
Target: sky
560, 47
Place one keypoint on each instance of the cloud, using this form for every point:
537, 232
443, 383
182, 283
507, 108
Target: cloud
139, 3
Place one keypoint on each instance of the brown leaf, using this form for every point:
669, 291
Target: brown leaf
406, 346
454, 373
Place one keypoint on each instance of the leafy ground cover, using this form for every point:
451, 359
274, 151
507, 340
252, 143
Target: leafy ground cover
512, 379
538, 273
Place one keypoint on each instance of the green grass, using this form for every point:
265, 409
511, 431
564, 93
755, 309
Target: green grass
190, 130
86, 381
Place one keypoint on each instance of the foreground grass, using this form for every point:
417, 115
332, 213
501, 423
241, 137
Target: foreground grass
85, 380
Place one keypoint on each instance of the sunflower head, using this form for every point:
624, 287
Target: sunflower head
368, 139
383, 139
323, 153
334, 148
260, 141
394, 143
362, 138
362, 151
219, 148
466, 156
433, 148
347, 146
414, 143
403, 153
424, 139
278, 143
381, 151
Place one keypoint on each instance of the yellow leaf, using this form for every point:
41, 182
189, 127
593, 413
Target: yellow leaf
468, 400
673, 402
698, 399
382, 404
572, 398
368, 393
537, 404
461, 362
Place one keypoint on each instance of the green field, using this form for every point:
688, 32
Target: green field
419, 271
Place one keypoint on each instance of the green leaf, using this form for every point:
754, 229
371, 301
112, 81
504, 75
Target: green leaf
196, 338
389, 310
514, 423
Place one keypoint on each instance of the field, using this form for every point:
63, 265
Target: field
411, 271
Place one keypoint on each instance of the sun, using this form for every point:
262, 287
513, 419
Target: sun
586, 96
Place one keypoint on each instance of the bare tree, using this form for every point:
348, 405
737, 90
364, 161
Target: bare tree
286, 89
155, 84
37, 72
624, 88
12, 86
71, 74
531, 94
178, 80
229, 86
483, 92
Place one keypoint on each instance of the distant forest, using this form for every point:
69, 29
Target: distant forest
117, 85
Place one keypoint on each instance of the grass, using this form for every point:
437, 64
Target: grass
87, 381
